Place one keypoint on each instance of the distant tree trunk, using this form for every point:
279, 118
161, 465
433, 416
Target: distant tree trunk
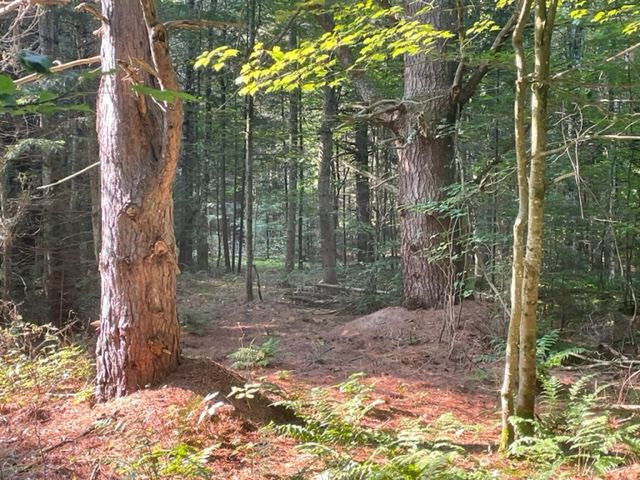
222, 176
94, 186
424, 125
300, 214
187, 200
300, 185
248, 166
326, 204
139, 147
364, 238
292, 170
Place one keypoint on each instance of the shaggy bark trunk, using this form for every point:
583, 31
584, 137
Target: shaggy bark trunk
326, 207
426, 156
519, 229
139, 147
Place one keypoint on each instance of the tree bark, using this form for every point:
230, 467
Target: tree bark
326, 205
426, 156
139, 147
248, 165
222, 176
364, 236
544, 24
292, 170
519, 229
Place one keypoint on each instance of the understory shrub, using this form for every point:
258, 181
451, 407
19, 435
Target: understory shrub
36, 359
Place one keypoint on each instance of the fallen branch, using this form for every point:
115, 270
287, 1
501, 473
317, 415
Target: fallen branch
351, 289
626, 408
198, 24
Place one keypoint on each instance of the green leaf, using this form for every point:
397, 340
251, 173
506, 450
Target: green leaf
6, 85
34, 62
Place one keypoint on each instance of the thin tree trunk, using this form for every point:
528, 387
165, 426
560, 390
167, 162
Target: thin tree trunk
222, 174
326, 204
544, 24
364, 237
139, 148
248, 166
519, 229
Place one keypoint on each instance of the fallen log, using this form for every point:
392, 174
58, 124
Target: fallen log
344, 288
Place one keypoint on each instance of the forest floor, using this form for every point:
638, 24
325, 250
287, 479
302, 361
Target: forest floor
416, 375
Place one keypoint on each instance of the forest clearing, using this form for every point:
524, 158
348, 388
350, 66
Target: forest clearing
319, 239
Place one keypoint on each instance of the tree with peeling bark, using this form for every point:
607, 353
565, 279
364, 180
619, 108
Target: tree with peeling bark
520, 366
139, 143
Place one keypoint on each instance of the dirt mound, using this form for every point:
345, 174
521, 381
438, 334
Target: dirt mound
395, 339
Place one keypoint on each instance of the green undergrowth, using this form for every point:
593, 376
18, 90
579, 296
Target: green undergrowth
36, 360
339, 437
578, 427
254, 356
577, 433
153, 462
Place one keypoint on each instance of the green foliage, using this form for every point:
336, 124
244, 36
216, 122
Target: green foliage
551, 353
34, 62
254, 356
34, 358
577, 427
361, 26
154, 462
335, 433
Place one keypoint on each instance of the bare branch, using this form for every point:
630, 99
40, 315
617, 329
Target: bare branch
59, 68
196, 24
16, 4
91, 10
478, 74
69, 177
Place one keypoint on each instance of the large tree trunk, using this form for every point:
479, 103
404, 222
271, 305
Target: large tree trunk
326, 206
426, 156
139, 147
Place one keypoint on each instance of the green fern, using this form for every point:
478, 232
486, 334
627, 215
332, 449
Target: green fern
246, 358
576, 426
332, 429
